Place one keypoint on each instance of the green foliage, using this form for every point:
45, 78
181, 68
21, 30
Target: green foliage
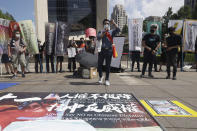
168, 16
185, 12
194, 13
6, 16
144, 25
125, 29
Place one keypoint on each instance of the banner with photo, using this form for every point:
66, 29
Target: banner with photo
119, 43
158, 32
29, 35
190, 34
4, 35
165, 107
102, 112
177, 24
62, 38
50, 33
135, 34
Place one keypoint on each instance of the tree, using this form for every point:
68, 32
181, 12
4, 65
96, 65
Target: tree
194, 13
6, 15
185, 12
125, 30
168, 16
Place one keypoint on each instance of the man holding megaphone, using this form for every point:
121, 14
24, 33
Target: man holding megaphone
105, 49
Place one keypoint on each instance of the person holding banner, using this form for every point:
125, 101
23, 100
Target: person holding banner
71, 55
172, 44
151, 43
16, 51
105, 37
39, 57
135, 56
49, 57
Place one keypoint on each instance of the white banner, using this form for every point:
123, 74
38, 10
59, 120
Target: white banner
119, 42
190, 34
135, 34
71, 52
177, 24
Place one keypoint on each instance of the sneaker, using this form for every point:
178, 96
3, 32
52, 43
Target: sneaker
142, 76
101, 80
151, 76
131, 70
168, 77
139, 70
7, 73
23, 75
107, 83
13, 77
174, 78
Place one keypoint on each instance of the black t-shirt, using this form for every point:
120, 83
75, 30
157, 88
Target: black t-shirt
174, 40
151, 40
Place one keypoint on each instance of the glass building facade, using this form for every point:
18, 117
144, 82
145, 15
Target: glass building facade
81, 14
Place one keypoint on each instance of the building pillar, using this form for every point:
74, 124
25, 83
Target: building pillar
102, 9
41, 17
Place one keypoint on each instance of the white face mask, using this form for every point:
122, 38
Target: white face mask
18, 35
106, 27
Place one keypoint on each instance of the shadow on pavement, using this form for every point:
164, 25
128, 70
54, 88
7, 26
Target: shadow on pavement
146, 77
83, 83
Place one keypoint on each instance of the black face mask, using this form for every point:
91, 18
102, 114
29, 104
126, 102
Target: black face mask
152, 31
171, 33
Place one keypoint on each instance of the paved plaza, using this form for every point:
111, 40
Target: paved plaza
184, 90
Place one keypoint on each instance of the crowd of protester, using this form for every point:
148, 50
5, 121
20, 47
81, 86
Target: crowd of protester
17, 55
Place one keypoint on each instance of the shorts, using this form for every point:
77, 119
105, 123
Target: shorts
60, 58
18, 59
5, 59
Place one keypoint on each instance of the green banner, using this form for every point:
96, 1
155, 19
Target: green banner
158, 32
29, 35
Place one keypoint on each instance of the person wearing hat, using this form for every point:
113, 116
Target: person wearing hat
172, 44
151, 43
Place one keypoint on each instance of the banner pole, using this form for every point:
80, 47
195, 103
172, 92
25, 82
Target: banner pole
181, 47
